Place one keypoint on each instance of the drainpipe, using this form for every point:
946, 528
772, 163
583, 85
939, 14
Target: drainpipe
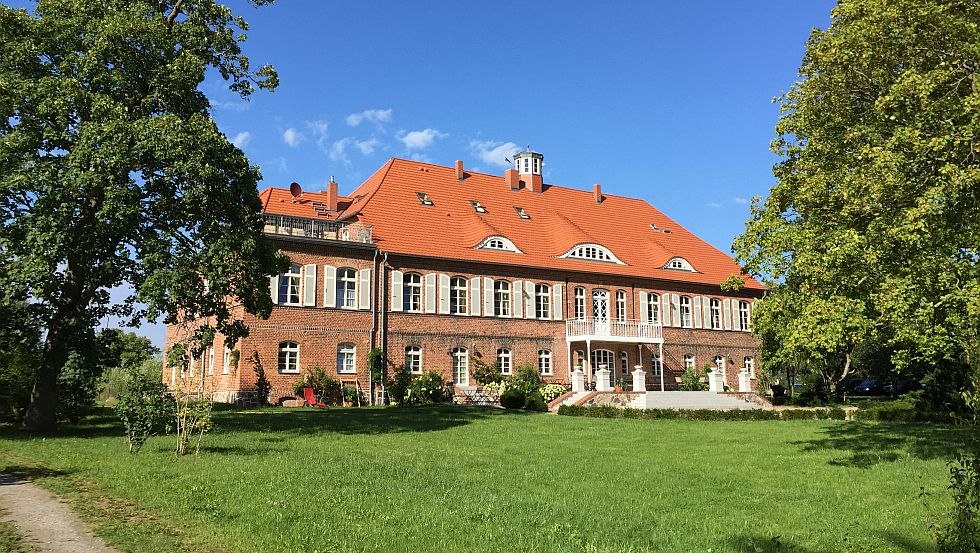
374, 320
383, 314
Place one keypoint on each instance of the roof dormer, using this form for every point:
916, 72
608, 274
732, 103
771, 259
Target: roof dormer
498, 243
591, 252
679, 264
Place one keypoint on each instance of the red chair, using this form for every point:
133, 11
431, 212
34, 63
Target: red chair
311, 399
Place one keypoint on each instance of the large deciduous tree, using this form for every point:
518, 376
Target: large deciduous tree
113, 174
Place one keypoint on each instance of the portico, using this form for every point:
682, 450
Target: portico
603, 330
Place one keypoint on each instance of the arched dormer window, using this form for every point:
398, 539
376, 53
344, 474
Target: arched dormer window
498, 243
679, 264
592, 252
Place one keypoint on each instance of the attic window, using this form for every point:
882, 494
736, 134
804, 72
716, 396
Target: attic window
591, 252
498, 243
521, 213
679, 264
424, 198
478, 207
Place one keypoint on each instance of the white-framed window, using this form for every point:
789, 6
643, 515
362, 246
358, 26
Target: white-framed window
620, 305
624, 363
413, 359
544, 362
501, 298
498, 243
191, 365
461, 366
688, 361
591, 252
211, 361
749, 364
346, 355
288, 357
603, 358
679, 264
346, 288
743, 315
656, 366
412, 292
714, 309
686, 312
579, 303
505, 360
719, 361
457, 295
579, 359
542, 301
653, 308
226, 360
289, 285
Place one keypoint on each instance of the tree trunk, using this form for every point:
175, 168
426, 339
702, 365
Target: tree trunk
41, 413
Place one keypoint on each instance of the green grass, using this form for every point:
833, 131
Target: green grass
11, 539
454, 479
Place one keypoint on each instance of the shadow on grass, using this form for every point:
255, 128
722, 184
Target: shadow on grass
866, 444
779, 544
13, 474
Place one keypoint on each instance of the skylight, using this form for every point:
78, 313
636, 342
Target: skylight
424, 198
521, 213
679, 264
591, 252
498, 243
478, 207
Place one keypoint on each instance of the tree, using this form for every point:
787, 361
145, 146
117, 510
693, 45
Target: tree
113, 173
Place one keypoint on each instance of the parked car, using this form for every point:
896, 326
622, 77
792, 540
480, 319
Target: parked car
870, 387
902, 386
848, 385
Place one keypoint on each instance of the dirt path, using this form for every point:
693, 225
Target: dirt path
46, 522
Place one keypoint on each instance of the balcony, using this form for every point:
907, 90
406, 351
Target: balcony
613, 331
284, 225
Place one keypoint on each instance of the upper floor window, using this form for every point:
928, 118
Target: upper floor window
498, 243
653, 308
505, 360
288, 357
412, 292
457, 295
501, 298
346, 354
686, 311
542, 301
715, 313
743, 315
346, 288
620, 305
289, 285
413, 359
593, 252
544, 361
580, 303
679, 264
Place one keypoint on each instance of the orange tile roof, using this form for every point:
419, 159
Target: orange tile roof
560, 219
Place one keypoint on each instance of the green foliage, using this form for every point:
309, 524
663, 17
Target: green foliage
494, 389
376, 364
535, 402
527, 379
691, 380
193, 421
262, 385
613, 412
908, 408
513, 398
17, 370
962, 533
485, 373
426, 389
551, 391
145, 408
326, 389
399, 379
353, 396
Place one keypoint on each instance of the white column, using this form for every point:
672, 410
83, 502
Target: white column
661, 346
602, 380
578, 381
716, 380
568, 359
639, 379
744, 381
588, 360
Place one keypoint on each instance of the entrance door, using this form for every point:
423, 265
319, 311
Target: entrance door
604, 359
600, 310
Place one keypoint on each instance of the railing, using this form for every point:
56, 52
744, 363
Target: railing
313, 228
612, 329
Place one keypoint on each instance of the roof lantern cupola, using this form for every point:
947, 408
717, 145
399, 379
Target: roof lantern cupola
528, 165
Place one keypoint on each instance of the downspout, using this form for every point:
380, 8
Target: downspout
383, 315
374, 321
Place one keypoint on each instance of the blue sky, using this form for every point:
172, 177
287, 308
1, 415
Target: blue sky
667, 101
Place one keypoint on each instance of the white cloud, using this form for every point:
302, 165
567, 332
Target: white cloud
338, 151
740, 200
714, 205
420, 140
367, 146
292, 137
376, 116
242, 139
493, 152
319, 128
419, 156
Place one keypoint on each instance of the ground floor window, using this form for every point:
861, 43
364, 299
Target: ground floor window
346, 353
602, 359
288, 357
689, 361
720, 362
750, 365
461, 366
624, 362
655, 366
504, 360
413, 359
544, 362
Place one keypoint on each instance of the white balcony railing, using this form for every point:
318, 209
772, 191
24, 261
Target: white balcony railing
313, 228
613, 330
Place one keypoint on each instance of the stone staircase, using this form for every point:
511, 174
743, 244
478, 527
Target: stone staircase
691, 400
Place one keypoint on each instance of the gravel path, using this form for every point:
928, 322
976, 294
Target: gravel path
45, 521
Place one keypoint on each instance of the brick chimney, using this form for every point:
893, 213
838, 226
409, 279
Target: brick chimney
528, 165
597, 193
332, 194
459, 170
512, 179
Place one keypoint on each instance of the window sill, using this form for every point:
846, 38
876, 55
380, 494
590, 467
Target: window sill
289, 372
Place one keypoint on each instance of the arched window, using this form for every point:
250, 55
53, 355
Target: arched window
715, 311
289, 285
743, 315
346, 287
591, 252
457, 296
501, 298
542, 301
544, 362
498, 243
461, 366
679, 264
719, 362
688, 361
603, 358
686, 311
653, 308
579, 303
288, 357
620, 305
749, 364
504, 360
412, 292
346, 355
655, 365
413, 359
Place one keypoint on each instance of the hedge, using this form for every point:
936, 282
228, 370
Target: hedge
610, 412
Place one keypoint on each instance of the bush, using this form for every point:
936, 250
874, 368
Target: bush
535, 402
495, 389
78, 386
484, 373
962, 533
145, 408
400, 378
550, 391
527, 379
326, 389
905, 409
17, 370
513, 398
262, 386
353, 395
691, 380
428, 388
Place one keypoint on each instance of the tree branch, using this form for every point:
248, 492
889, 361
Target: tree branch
174, 13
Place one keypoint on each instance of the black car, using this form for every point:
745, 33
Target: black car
902, 386
870, 388
848, 385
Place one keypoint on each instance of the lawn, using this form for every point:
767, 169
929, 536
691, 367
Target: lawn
455, 479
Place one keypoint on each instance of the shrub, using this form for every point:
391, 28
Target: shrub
691, 380
906, 409
145, 408
428, 388
353, 395
484, 373
326, 389
495, 389
527, 379
962, 532
550, 391
535, 402
513, 398
399, 379
262, 386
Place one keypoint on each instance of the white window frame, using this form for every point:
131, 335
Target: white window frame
411, 291
346, 288
679, 264
291, 286
620, 306
685, 311
608, 359
656, 365
498, 243
624, 363
226, 360
719, 362
653, 308
290, 363
714, 310
460, 365
689, 361
458, 294
743, 316
210, 361
579, 312
749, 363
346, 358
542, 301
501, 298
544, 362
505, 358
591, 252
413, 359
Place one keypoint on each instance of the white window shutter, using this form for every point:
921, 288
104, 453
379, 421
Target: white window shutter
559, 302
444, 294
475, 296
665, 309
517, 297
726, 313
364, 289
529, 312
696, 312
397, 281
488, 297
706, 312
644, 306
329, 286
274, 289
430, 293
309, 285
675, 310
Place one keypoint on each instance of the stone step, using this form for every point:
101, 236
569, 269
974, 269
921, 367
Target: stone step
691, 400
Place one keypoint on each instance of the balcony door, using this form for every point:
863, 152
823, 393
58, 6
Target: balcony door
600, 310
